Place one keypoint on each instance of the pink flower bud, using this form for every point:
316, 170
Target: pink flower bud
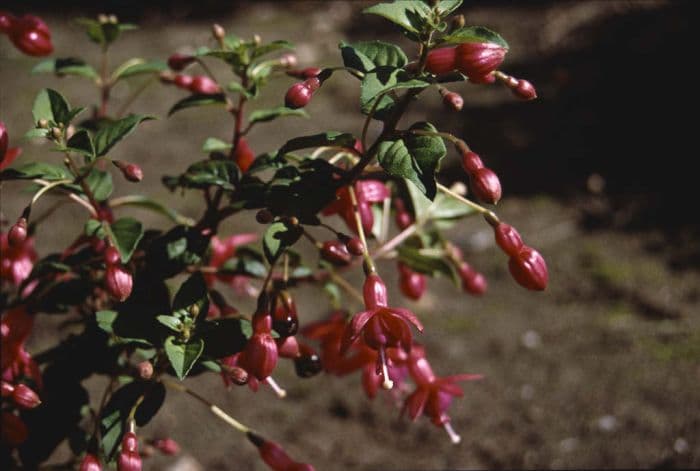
411, 283
30, 35
18, 233
508, 239
145, 369
312, 83
118, 282
529, 269
178, 62
441, 61
473, 282
167, 446
288, 60
478, 60
403, 219
274, 456
524, 90
298, 96
243, 155
486, 186
371, 191
129, 461
131, 172
335, 252
355, 246
453, 101
374, 292
112, 256
90, 463
130, 442
203, 85
183, 81
471, 162
25, 397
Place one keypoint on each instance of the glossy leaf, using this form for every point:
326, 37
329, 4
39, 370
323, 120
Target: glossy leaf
183, 356
221, 173
277, 238
330, 138
125, 234
474, 34
429, 262
100, 183
138, 66
65, 66
411, 15
273, 46
171, 322
145, 202
213, 144
81, 142
193, 292
109, 134
29, 171
368, 55
198, 100
258, 116
53, 107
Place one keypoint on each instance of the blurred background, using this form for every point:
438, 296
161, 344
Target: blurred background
601, 370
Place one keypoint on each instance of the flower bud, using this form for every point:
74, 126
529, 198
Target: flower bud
30, 35
453, 101
479, 60
243, 155
259, 357
274, 456
167, 446
403, 219
355, 246
441, 61
203, 85
7, 19
508, 239
473, 282
264, 216
284, 317
374, 292
298, 96
4, 138
471, 162
18, 232
218, 31
13, 430
288, 60
524, 90
145, 369
118, 282
312, 83
129, 462
458, 21
90, 463
335, 252
131, 172
130, 442
111, 256
308, 363
178, 62
486, 185
529, 269
183, 81
287, 347
411, 283
306, 73
25, 397
236, 374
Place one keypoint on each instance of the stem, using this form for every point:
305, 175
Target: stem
46, 188
213, 408
490, 215
81, 180
361, 231
72, 196
395, 241
386, 213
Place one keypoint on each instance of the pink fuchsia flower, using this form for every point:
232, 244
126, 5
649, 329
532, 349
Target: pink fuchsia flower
367, 192
16, 260
275, 457
433, 394
381, 326
30, 35
259, 357
221, 251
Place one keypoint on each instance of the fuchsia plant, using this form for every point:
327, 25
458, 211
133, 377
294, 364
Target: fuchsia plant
113, 279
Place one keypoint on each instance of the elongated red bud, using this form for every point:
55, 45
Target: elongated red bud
130, 442
486, 185
131, 172
183, 81
529, 269
478, 61
90, 463
471, 162
203, 85
453, 101
274, 456
118, 282
411, 283
403, 219
524, 90
284, 318
473, 282
312, 83
112, 256
371, 191
129, 462
298, 96
355, 246
508, 239
374, 292
243, 155
25, 397
13, 430
167, 446
30, 35
441, 61
178, 62
18, 232
335, 252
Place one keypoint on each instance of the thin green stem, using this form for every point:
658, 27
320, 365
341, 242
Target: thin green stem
490, 215
369, 263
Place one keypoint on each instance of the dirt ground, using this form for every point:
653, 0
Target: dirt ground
602, 370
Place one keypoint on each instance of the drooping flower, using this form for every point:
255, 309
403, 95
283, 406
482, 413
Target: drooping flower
259, 357
16, 260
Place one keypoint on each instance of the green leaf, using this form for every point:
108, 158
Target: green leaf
183, 356
125, 234
368, 55
446, 207
109, 134
277, 238
51, 106
221, 173
246, 262
100, 183
381, 81
105, 320
35, 133
93, 228
258, 116
147, 203
81, 142
330, 138
236, 87
138, 66
171, 322
415, 158
103, 33
273, 46
198, 100
213, 144
193, 292
445, 7
429, 262
65, 66
29, 171
411, 15
474, 34
333, 291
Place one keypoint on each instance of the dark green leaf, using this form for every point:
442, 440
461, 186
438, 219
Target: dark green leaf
125, 234
445, 7
183, 356
93, 228
100, 183
224, 336
171, 322
222, 173
105, 320
267, 161
103, 33
446, 207
381, 81
411, 15
236, 87
48, 172
474, 34
415, 158
270, 114
65, 66
330, 138
368, 55
138, 67
198, 100
152, 205
271, 47
277, 238
51, 106
428, 262
213, 144
109, 134
81, 142
193, 292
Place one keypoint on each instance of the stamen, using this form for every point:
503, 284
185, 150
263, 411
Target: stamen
454, 438
281, 393
387, 383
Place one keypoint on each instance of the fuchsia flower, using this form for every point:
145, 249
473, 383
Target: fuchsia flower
367, 192
381, 326
28, 33
433, 394
221, 251
259, 357
275, 457
16, 260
